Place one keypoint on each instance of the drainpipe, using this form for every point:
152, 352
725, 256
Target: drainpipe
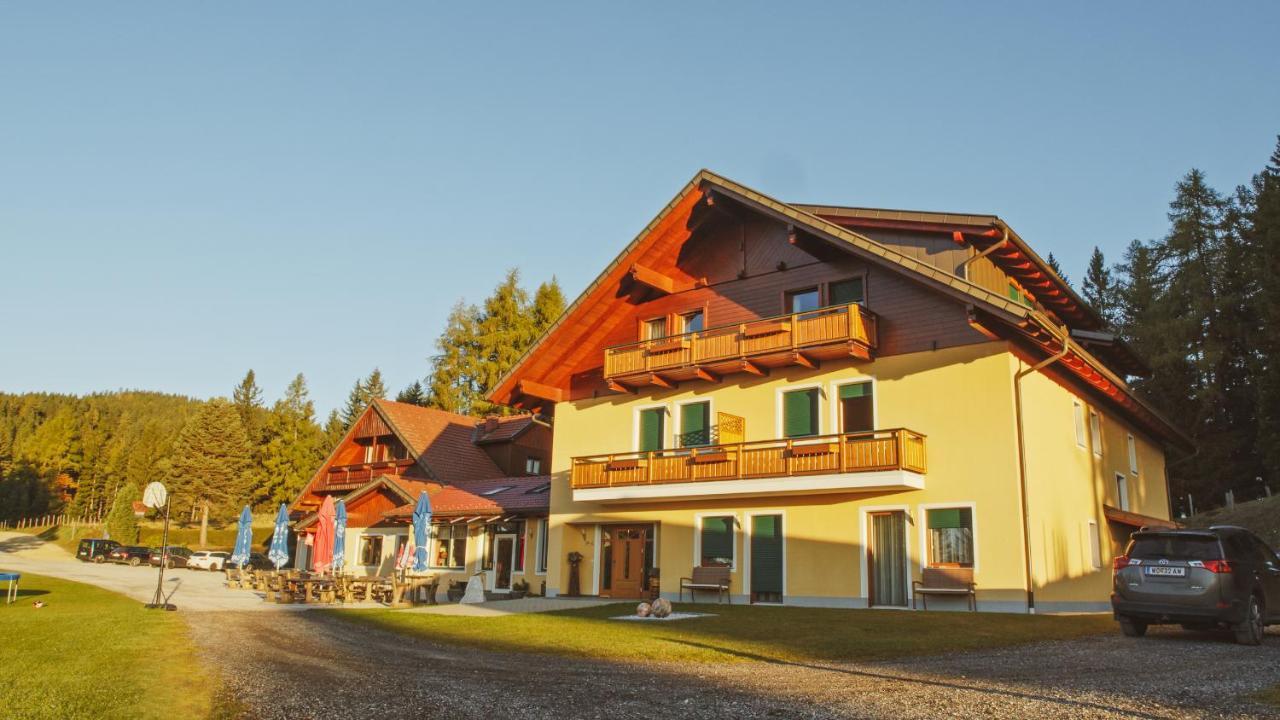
963, 269
1022, 463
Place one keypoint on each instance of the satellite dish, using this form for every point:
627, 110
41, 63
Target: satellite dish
155, 495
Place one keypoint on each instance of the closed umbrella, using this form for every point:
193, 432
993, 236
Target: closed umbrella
421, 525
244, 538
279, 553
339, 536
322, 547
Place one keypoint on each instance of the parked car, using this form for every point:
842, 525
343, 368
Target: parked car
1223, 577
256, 561
133, 555
95, 549
177, 556
208, 560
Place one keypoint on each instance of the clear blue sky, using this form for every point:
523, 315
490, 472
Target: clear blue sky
190, 191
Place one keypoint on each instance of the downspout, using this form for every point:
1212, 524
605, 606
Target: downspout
963, 268
1022, 464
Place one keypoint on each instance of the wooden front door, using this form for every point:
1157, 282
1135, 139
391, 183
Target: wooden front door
626, 561
503, 561
887, 558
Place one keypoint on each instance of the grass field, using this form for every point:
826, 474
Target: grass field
738, 633
90, 653
1260, 516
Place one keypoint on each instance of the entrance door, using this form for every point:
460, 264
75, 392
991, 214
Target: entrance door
766, 558
887, 558
504, 555
626, 574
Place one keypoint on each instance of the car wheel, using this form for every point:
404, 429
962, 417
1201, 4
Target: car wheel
99, 559
1249, 631
1132, 628
133, 562
168, 564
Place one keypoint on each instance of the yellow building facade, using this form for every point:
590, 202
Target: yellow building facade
835, 407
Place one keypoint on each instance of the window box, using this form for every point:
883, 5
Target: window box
669, 344
767, 327
628, 464
712, 456
825, 448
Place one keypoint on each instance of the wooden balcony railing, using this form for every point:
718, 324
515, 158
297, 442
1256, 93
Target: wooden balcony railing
896, 449
850, 325
350, 477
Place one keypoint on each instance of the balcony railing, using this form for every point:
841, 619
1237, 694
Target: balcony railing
896, 449
350, 477
828, 332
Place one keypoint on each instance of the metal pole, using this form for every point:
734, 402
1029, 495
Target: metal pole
158, 602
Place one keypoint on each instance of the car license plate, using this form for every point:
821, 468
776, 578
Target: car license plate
1166, 571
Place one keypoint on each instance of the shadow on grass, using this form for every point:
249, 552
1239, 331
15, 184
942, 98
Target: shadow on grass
929, 682
31, 593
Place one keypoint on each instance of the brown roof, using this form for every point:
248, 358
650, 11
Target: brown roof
440, 440
1138, 520
524, 495
507, 428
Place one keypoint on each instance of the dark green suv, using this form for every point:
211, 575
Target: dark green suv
1222, 577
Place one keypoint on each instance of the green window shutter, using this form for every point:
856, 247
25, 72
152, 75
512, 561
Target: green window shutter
845, 292
651, 429
695, 424
717, 540
800, 413
950, 518
855, 390
766, 554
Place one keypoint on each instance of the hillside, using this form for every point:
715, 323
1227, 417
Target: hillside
1261, 516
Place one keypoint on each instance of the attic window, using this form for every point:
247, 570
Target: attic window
495, 491
539, 490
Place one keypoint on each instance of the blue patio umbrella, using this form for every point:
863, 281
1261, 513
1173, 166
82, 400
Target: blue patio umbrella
244, 538
339, 536
421, 524
279, 553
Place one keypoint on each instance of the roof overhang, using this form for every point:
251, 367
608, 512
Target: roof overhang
1137, 520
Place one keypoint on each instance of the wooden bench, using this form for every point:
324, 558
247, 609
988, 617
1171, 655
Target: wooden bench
708, 579
945, 581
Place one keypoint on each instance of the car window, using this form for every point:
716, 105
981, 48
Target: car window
1174, 547
1240, 549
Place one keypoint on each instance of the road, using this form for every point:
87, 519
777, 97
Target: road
288, 664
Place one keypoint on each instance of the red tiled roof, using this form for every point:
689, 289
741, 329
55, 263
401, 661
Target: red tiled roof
513, 494
508, 427
441, 440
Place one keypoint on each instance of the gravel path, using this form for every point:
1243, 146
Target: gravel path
310, 665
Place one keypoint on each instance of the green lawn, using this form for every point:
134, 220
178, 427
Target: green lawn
90, 653
1270, 696
737, 633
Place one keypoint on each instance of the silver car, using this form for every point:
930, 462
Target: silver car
1222, 577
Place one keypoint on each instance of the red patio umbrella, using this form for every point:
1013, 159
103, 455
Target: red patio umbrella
322, 550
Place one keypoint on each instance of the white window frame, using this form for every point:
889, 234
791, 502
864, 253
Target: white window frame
746, 551
536, 462
697, 536
1078, 418
779, 404
1133, 454
433, 544
668, 438
835, 400
1122, 491
382, 550
1095, 432
677, 417
542, 544
921, 512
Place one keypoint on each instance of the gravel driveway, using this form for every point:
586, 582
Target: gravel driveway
313, 665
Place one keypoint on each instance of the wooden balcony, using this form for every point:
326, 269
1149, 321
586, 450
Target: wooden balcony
801, 339
880, 460
350, 477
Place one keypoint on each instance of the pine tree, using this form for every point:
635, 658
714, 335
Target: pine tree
122, 524
413, 395
549, 304
374, 388
209, 470
356, 401
247, 397
1053, 264
293, 449
334, 429
451, 384
1099, 289
1262, 232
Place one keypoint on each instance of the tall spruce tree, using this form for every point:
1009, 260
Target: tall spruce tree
247, 397
1053, 264
451, 384
209, 471
334, 429
1263, 235
356, 402
1099, 289
374, 387
294, 446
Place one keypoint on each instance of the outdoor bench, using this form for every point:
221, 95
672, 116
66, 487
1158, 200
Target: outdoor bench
709, 579
945, 581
